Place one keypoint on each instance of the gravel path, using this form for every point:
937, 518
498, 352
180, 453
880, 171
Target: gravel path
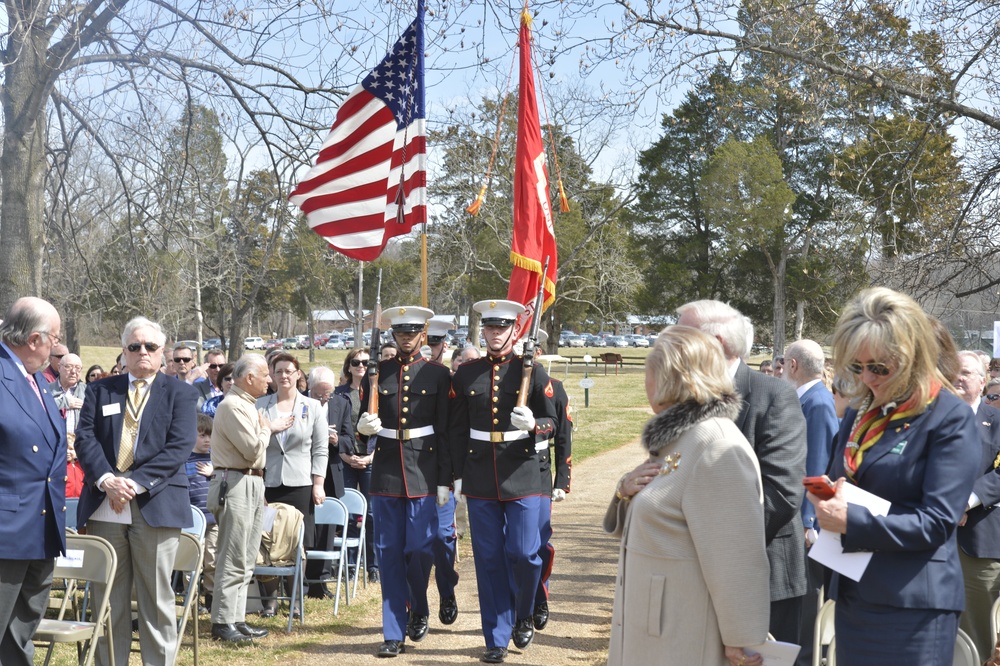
581, 590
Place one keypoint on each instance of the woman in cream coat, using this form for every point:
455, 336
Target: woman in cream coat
692, 585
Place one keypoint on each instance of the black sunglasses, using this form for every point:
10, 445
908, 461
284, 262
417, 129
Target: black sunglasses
136, 346
992, 396
56, 355
181, 359
880, 369
215, 366
357, 362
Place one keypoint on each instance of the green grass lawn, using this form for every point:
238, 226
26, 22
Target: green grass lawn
617, 412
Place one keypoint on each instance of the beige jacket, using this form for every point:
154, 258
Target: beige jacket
239, 441
692, 569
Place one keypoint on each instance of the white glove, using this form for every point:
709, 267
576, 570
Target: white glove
522, 419
369, 424
458, 490
558, 494
443, 495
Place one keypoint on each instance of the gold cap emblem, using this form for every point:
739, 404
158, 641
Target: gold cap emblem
493, 304
402, 311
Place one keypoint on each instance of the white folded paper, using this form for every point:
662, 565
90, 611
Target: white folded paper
828, 550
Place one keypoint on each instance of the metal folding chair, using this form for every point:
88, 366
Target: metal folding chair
296, 571
91, 559
356, 505
333, 512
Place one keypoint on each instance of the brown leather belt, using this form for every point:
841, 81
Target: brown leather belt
247, 471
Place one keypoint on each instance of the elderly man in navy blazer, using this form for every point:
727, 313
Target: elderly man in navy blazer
136, 431
32, 476
979, 531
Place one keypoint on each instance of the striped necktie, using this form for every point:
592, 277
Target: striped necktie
130, 427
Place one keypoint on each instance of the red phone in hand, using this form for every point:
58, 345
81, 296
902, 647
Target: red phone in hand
819, 487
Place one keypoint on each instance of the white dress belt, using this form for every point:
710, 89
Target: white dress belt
497, 437
411, 433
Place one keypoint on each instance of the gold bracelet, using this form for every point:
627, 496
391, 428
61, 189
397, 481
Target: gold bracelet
622, 498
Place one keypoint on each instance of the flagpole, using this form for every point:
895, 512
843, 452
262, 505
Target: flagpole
359, 323
423, 266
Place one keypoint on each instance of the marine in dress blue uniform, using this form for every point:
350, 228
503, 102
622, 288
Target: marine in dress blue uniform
446, 537
559, 457
410, 467
494, 456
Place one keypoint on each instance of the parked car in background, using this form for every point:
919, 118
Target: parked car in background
290, 343
652, 338
637, 341
253, 343
303, 341
274, 343
594, 341
616, 341
211, 343
574, 341
335, 341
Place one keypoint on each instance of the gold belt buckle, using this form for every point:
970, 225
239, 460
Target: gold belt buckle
496, 437
404, 434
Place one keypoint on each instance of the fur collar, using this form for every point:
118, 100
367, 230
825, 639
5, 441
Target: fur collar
671, 423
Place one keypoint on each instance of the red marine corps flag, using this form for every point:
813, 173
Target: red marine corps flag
534, 237
370, 181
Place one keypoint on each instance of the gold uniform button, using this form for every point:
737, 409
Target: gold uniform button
472, 393
34, 449
496, 388
406, 378
406, 368
496, 422
496, 378
65, 478
385, 391
406, 398
403, 421
496, 368
43, 512
406, 388
423, 392
495, 410
496, 398
64, 509
49, 479
406, 410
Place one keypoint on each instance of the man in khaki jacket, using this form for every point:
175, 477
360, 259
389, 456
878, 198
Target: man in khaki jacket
236, 496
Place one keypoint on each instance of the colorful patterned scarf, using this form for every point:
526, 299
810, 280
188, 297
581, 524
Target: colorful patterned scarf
871, 423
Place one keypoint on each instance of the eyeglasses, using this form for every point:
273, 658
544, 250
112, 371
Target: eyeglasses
228, 379
213, 366
992, 396
357, 362
181, 359
286, 371
880, 369
322, 397
136, 346
53, 337
56, 355
70, 368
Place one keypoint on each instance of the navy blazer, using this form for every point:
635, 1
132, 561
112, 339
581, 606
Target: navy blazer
980, 536
821, 430
33, 468
167, 434
926, 467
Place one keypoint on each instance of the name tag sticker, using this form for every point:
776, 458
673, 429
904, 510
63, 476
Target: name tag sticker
72, 560
898, 448
112, 409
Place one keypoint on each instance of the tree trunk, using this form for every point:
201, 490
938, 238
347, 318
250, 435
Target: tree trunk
800, 317
779, 305
27, 82
200, 317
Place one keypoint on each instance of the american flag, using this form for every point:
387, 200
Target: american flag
370, 179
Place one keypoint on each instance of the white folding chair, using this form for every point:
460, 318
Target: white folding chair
200, 523
91, 559
334, 513
357, 505
995, 618
831, 652
823, 633
188, 562
965, 651
296, 571
71, 505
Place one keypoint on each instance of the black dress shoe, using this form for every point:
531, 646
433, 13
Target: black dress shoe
270, 609
524, 632
448, 612
391, 649
416, 628
228, 633
494, 655
373, 575
319, 592
252, 632
540, 617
